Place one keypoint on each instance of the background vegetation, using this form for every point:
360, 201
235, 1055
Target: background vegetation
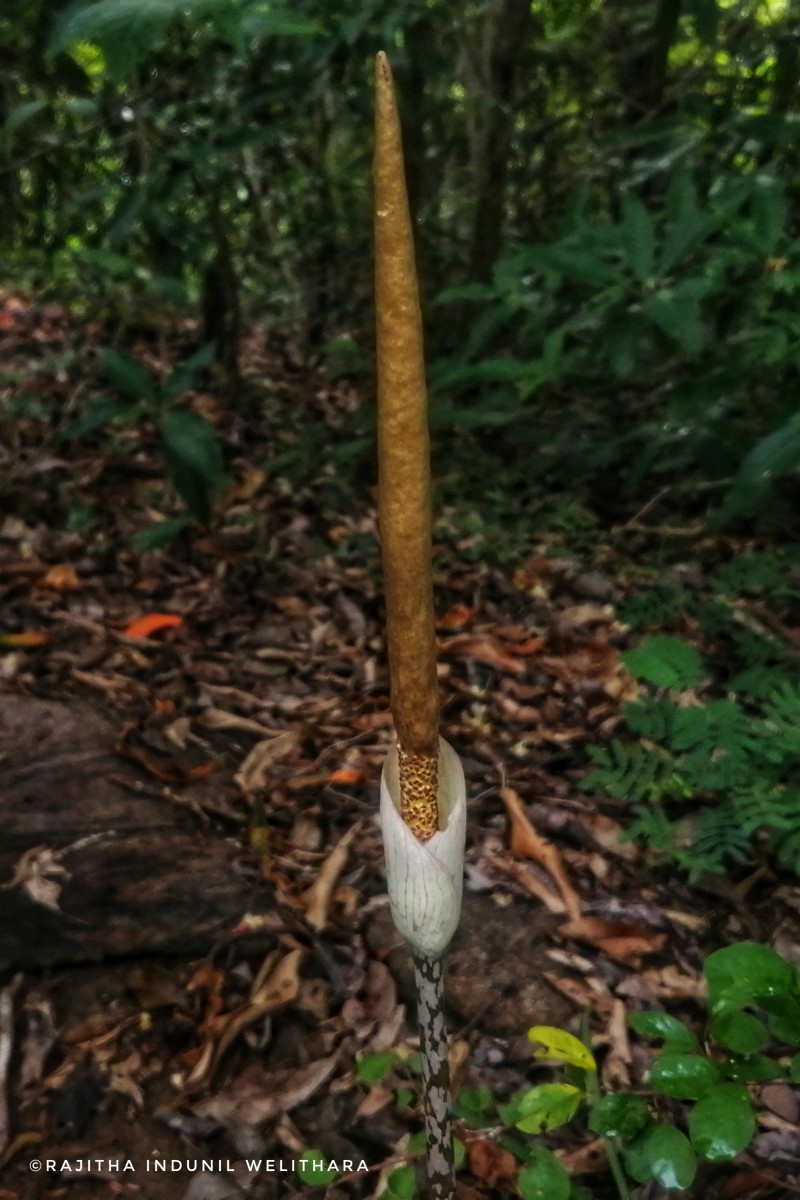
606, 197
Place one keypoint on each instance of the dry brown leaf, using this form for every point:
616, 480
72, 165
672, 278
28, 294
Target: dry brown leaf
253, 774
282, 984
490, 1162
482, 649
524, 876
318, 896
257, 1095
220, 718
527, 843
620, 940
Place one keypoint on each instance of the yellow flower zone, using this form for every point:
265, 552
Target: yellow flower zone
404, 487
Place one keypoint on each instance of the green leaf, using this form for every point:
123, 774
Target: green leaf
547, 1106
312, 1168
185, 376
722, 1123
472, 1104
543, 1178
194, 459
739, 1031
636, 231
21, 113
678, 316
401, 1184
794, 1069
662, 1153
162, 534
373, 1068
773, 457
666, 662
783, 1018
755, 1068
621, 1114
675, 1034
128, 376
740, 974
683, 1076
562, 1046
102, 414
404, 1097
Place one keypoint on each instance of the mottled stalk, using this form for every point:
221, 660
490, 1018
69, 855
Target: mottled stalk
429, 974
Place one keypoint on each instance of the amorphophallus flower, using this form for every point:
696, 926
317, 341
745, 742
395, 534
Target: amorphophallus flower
425, 877
423, 803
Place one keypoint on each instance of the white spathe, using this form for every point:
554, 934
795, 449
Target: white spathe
425, 879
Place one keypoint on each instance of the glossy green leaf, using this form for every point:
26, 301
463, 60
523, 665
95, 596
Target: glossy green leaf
547, 1106
752, 1068
402, 1184
683, 1076
783, 1018
672, 1160
739, 1031
675, 1034
619, 1115
722, 1123
312, 1167
740, 974
373, 1068
543, 1177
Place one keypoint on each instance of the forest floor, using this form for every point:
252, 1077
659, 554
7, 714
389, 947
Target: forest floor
198, 958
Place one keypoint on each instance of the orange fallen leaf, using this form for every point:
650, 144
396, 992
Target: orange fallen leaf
490, 1162
144, 626
61, 578
21, 641
456, 617
347, 775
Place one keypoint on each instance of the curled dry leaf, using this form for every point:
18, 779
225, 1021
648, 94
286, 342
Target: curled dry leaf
619, 940
318, 896
526, 842
482, 649
490, 1162
253, 774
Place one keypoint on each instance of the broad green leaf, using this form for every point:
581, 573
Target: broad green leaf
194, 459
794, 1069
562, 1046
547, 1106
675, 1034
662, 1153
580, 265
684, 1076
768, 207
401, 1184
773, 457
620, 1114
678, 317
472, 1104
129, 376
373, 1068
162, 534
754, 1068
185, 376
666, 662
636, 233
722, 1123
783, 1018
740, 974
543, 1177
739, 1031
102, 414
312, 1167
